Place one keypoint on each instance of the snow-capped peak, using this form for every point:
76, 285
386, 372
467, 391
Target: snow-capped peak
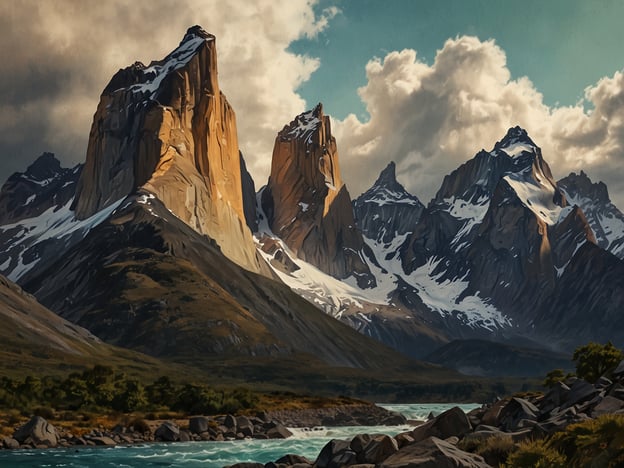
304, 125
387, 189
148, 79
516, 142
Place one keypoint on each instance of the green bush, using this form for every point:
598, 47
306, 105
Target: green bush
536, 454
594, 360
599, 441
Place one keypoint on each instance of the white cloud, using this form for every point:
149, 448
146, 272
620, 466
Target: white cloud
431, 118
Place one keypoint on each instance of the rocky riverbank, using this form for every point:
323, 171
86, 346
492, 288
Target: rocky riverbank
573, 423
39, 433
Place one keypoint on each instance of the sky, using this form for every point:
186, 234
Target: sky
424, 83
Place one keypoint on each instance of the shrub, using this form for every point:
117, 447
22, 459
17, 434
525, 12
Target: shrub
554, 376
599, 441
594, 360
139, 425
536, 454
496, 450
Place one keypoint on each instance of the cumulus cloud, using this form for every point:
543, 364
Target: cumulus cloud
431, 118
57, 57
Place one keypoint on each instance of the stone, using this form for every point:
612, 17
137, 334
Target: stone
403, 439
580, 391
330, 451
607, 405
278, 432
290, 459
184, 436
433, 453
198, 424
102, 441
555, 397
490, 417
245, 426
516, 410
452, 422
230, 422
378, 449
10, 443
40, 431
603, 382
246, 465
167, 432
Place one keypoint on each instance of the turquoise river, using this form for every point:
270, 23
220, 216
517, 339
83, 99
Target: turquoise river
210, 454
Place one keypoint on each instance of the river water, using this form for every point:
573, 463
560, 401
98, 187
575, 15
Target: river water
211, 454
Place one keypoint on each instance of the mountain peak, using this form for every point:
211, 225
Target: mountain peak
197, 31
304, 125
387, 177
45, 167
581, 185
515, 142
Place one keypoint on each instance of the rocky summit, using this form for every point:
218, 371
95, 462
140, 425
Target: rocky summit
306, 202
169, 129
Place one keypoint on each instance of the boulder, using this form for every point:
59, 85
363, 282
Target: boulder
278, 432
102, 441
373, 448
184, 436
246, 465
245, 426
607, 405
452, 422
404, 438
490, 417
580, 391
230, 422
168, 432
291, 459
40, 431
10, 443
555, 397
433, 453
332, 451
516, 410
198, 424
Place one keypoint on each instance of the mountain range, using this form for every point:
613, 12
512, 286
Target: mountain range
159, 243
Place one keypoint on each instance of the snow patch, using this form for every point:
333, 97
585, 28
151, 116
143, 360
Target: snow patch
516, 149
537, 194
174, 61
443, 296
54, 223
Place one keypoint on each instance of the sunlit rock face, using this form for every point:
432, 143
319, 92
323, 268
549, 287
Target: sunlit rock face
168, 129
308, 205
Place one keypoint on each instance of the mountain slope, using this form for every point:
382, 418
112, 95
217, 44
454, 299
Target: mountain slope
36, 340
156, 285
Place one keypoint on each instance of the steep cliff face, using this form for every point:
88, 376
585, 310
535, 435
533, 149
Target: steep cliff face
306, 203
168, 129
